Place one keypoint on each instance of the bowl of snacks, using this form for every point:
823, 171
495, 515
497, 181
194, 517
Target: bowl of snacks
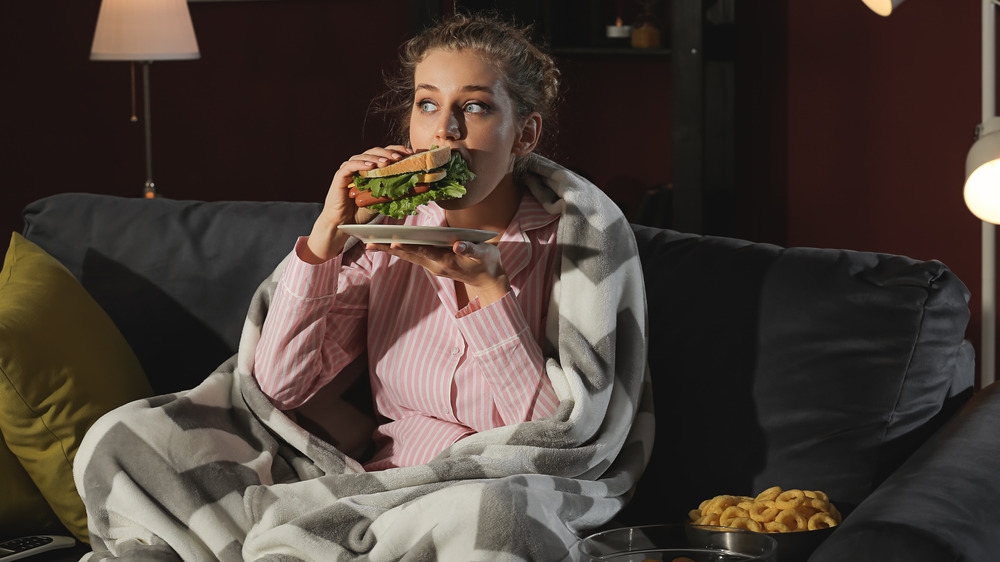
676, 543
799, 520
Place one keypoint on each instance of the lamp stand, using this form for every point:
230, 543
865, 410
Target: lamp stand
149, 191
989, 276
988, 316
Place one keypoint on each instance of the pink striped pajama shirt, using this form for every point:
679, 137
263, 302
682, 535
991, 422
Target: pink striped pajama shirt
438, 373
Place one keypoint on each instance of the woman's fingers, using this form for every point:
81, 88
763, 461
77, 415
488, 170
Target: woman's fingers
462, 261
476, 265
477, 252
373, 157
349, 167
405, 150
379, 156
435, 259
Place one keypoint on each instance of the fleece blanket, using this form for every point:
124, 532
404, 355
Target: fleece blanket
217, 472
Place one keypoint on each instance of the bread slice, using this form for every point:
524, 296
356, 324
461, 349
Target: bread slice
427, 160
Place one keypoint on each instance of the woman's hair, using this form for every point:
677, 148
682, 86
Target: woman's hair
529, 74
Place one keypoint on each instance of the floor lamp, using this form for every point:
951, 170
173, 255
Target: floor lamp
982, 188
883, 7
144, 31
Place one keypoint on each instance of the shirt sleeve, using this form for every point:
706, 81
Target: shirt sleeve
313, 328
510, 358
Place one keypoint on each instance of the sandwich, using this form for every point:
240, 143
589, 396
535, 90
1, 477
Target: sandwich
399, 188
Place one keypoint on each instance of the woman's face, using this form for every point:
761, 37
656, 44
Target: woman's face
460, 101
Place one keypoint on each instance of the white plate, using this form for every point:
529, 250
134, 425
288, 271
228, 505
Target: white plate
423, 235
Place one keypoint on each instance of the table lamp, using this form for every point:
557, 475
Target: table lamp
144, 31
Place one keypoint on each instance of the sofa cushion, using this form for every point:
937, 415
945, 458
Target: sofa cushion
800, 367
63, 364
192, 267
859, 355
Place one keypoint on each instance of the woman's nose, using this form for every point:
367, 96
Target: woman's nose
450, 127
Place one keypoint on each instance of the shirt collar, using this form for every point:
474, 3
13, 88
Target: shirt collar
515, 245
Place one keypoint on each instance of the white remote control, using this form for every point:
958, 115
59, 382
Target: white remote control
23, 547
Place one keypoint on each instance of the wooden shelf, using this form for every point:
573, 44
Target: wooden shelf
611, 51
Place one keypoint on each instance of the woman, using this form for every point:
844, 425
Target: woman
472, 359
511, 375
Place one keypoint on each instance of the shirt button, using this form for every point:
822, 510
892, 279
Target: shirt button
455, 351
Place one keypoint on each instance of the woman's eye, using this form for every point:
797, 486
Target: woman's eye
475, 107
426, 106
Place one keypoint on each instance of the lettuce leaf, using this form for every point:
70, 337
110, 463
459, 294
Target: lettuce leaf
458, 169
389, 186
400, 208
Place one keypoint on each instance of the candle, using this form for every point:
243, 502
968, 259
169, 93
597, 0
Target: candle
618, 30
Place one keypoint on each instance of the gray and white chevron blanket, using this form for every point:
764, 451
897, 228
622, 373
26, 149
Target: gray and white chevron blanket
218, 473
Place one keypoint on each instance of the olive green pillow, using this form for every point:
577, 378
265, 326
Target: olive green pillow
63, 364
23, 510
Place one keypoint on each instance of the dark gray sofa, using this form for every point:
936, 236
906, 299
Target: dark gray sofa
824, 369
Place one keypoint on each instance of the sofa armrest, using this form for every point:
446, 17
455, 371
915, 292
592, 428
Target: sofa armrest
942, 504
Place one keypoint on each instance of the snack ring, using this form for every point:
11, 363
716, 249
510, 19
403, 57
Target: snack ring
775, 527
730, 513
746, 523
718, 504
806, 510
821, 521
708, 519
817, 504
763, 511
769, 494
794, 520
789, 499
816, 494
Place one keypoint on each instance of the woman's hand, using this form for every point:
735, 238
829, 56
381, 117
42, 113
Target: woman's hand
325, 241
476, 265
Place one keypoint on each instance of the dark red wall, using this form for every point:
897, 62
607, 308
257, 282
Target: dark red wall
881, 113
852, 128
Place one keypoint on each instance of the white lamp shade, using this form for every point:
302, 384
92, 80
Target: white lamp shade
144, 30
982, 174
883, 7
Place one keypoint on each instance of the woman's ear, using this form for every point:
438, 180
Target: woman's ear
531, 133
